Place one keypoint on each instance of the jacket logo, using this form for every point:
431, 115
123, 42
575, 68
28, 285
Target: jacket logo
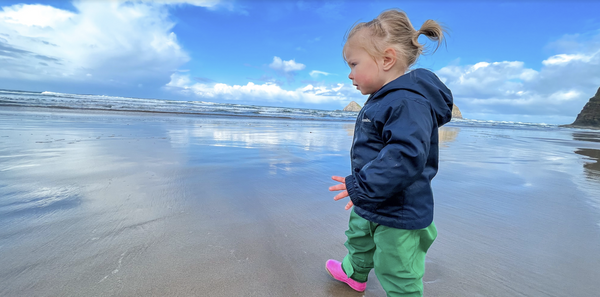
366, 120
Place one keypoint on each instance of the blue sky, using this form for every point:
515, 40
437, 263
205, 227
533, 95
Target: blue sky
535, 61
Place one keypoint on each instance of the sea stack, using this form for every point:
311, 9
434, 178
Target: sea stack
456, 112
589, 117
352, 106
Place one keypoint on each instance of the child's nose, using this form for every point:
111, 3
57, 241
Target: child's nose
350, 76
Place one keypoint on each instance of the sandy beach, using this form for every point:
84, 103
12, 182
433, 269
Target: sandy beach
142, 204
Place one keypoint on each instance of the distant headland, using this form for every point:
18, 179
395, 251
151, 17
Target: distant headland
589, 117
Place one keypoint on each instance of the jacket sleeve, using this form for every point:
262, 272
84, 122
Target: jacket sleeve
406, 133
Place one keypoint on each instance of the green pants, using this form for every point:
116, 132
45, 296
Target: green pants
397, 255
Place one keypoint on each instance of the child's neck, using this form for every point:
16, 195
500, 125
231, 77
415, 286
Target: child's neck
394, 73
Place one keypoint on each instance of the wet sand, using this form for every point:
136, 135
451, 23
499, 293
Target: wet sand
133, 204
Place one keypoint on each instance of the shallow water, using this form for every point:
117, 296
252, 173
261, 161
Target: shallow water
124, 204
518, 213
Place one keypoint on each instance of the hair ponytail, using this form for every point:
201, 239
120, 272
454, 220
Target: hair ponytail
433, 31
392, 28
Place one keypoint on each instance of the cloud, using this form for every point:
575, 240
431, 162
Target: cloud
35, 15
102, 42
316, 73
267, 93
485, 80
286, 66
564, 59
559, 89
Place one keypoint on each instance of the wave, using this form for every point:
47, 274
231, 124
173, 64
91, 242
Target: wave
502, 123
3, 91
116, 103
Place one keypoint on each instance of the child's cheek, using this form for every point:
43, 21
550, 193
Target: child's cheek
365, 79
360, 78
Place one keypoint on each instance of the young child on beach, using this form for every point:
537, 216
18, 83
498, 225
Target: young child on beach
394, 155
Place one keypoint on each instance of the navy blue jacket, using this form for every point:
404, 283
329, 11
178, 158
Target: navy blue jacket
395, 151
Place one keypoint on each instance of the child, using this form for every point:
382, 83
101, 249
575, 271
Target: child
394, 156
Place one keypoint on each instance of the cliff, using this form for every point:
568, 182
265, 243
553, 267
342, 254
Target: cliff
589, 117
456, 112
352, 106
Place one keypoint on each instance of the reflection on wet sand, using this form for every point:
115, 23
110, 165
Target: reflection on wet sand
592, 168
587, 136
349, 129
448, 134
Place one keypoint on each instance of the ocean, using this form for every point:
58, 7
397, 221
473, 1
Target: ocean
115, 103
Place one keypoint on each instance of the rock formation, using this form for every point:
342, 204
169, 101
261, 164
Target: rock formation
456, 112
352, 106
589, 117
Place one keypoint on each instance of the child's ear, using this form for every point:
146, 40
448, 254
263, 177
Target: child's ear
389, 58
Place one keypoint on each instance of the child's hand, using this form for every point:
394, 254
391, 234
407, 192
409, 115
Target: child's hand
340, 187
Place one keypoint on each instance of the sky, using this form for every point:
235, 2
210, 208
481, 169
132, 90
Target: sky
524, 61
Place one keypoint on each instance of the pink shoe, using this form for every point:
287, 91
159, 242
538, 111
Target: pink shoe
335, 270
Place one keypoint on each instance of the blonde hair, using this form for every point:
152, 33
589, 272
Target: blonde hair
392, 28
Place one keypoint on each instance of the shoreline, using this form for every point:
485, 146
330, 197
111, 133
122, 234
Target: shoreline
580, 127
83, 110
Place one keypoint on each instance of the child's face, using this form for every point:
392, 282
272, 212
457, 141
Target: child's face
365, 73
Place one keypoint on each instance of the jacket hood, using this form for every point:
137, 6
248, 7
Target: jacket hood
426, 84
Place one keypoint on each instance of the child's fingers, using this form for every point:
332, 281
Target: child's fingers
349, 205
341, 195
337, 187
339, 179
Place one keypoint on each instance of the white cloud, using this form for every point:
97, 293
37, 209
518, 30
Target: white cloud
316, 73
286, 66
103, 42
34, 15
287, 69
565, 59
566, 95
487, 79
559, 89
266, 93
